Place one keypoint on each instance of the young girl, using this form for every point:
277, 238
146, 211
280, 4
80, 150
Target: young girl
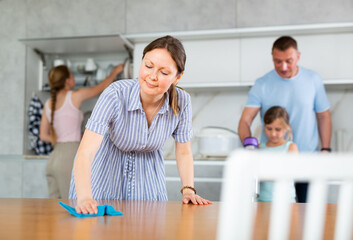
279, 134
120, 156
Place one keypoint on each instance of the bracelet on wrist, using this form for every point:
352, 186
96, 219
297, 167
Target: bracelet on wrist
326, 149
189, 187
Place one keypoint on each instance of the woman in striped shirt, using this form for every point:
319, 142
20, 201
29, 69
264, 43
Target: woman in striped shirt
120, 155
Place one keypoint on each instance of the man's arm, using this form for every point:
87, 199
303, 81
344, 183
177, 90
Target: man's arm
325, 128
247, 117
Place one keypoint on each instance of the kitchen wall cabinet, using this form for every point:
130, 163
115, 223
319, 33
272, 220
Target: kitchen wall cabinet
74, 51
41, 53
235, 58
228, 58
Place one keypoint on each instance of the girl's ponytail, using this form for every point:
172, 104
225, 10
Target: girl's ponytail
52, 131
57, 79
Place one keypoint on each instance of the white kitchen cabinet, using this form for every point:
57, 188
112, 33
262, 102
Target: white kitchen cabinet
228, 58
329, 54
207, 61
74, 51
208, 179
234, 58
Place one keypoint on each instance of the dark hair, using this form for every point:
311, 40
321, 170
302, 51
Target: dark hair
57, 78
177, 52
277, 112
285, 42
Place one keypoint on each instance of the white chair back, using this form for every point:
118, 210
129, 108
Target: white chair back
237, 211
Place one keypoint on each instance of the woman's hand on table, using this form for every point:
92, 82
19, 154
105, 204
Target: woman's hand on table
189, 195
87, 206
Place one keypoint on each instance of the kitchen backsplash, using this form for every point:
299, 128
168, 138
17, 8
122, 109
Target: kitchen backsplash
224, 109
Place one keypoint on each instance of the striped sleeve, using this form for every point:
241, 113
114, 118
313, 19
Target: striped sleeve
183, 131
104, 111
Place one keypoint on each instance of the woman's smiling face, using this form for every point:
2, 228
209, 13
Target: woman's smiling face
157, 72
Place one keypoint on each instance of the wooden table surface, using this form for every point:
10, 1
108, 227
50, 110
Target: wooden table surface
46, 219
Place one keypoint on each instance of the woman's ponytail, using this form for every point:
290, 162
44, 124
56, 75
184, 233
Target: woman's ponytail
173, 99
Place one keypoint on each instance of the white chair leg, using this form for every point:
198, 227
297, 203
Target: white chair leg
316, 210
281, 210
344, 219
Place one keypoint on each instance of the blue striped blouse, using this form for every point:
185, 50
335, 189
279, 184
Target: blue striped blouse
129, 163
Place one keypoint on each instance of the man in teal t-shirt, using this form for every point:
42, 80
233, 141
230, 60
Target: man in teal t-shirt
301, 92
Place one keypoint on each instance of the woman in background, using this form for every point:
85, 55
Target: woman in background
61, 124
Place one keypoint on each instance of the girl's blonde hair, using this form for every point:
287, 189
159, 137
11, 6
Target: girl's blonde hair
277, 112
57, 79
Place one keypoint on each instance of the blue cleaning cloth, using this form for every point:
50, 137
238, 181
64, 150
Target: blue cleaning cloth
102, 210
